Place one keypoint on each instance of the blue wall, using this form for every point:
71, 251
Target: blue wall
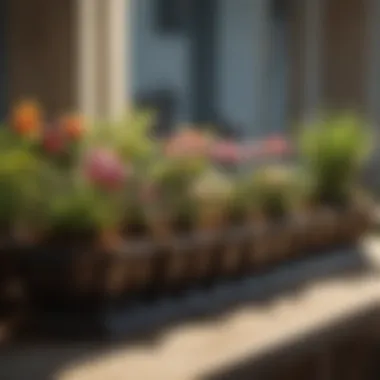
164, 61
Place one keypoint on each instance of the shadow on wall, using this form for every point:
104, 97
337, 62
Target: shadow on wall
165, 103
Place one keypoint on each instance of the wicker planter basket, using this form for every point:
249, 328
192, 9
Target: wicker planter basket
83, 273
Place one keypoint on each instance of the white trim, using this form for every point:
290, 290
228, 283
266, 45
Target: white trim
313, 55
86, 57
103, 67
117, 65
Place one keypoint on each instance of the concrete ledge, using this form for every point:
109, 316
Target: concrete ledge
250, 335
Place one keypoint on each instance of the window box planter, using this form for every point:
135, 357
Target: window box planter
80, 273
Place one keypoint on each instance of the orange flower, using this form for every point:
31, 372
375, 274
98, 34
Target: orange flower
73, 126
27, 118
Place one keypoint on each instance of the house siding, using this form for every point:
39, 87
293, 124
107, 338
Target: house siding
40, 52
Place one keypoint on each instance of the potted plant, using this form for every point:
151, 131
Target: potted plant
273, 189
333, 150
22, 175
170, 213
211, 194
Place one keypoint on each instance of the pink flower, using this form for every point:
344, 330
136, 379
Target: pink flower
105, 168
226, 152
187, 143
277, 145
266, 148
252, 150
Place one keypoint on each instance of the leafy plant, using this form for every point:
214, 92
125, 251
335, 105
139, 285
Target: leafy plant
131, 137
333, 150
20, 186
76, 205
180, 161
275, 190
211, 193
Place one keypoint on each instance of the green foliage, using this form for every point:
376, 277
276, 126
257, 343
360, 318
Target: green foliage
174, 179
20, 185
212, 190
131, 137
75, 205
275, 190
333, 150
42, 185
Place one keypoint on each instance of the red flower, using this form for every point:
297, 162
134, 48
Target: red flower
105, 168
73, 127
53, 141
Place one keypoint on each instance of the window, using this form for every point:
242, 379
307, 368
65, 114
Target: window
172, 15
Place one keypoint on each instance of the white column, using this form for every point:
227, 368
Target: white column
118, 66
85, 41
373, 59
104, 35
313, 56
